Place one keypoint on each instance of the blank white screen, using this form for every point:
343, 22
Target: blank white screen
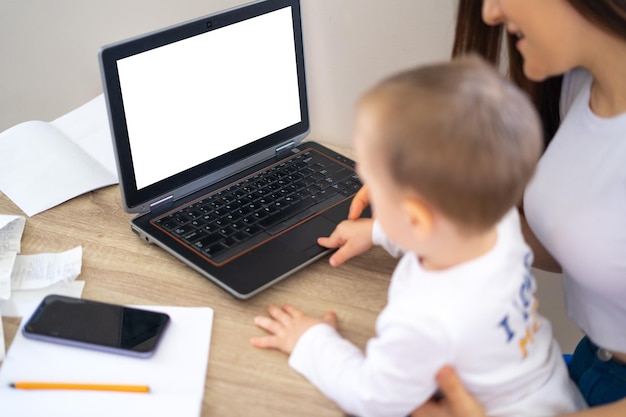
196, 99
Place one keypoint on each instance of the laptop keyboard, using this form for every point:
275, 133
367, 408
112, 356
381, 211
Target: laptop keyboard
235, 219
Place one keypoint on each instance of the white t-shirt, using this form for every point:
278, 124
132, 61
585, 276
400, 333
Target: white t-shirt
479, 316
576, 206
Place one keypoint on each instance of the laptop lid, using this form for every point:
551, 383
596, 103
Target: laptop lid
194, 103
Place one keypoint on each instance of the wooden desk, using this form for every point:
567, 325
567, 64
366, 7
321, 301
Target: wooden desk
120, 268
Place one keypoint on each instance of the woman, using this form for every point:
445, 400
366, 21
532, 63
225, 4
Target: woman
570, 56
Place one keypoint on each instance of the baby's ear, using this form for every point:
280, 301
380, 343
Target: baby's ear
420, 216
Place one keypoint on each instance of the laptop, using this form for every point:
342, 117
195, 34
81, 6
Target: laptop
208, 119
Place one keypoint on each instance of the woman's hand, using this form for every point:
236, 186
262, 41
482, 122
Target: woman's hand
456, 401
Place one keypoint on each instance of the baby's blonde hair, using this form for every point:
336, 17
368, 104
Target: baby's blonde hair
460, 135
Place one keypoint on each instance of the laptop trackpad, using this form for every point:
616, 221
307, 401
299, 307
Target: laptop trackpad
304, 237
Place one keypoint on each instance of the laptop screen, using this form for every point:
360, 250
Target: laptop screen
195, 99
196, 102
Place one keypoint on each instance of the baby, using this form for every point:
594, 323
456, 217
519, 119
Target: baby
445, 151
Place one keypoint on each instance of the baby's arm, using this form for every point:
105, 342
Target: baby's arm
393, 378
351, 237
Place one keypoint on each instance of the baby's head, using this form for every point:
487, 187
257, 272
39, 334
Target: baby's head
456, 136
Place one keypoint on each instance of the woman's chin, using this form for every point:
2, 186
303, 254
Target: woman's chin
535, 74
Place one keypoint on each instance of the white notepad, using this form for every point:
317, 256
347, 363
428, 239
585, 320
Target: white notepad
175, 374
43, 164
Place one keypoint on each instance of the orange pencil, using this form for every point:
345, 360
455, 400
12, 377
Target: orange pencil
77, 386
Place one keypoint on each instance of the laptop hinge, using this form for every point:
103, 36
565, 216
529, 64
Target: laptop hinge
161, 201
285, 147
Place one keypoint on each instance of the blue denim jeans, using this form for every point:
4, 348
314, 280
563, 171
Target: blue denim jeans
600, 382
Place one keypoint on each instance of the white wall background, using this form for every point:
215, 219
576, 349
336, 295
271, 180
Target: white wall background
48, 49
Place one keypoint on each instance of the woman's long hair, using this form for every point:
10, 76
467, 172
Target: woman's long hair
473, 35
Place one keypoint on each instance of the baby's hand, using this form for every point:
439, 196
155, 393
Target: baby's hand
359, 202
285, 326
352, 237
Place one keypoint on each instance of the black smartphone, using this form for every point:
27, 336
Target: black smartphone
96, 325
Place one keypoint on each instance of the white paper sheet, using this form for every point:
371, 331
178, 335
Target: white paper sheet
32, 272
7, 260
175, 374
23, 302
11, 230
44, 164
88, 127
